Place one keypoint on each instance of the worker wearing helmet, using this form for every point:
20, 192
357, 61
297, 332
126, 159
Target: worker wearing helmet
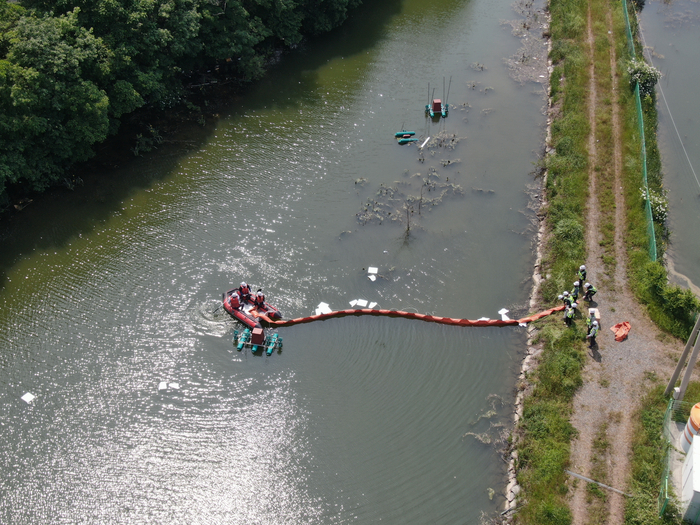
575, 290
569, 315
260, 300
566, 298
593, 333
589, 322
590, 291
244, 293
582, 273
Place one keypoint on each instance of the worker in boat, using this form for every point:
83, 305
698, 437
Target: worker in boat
244, 294
590, 291
260, 301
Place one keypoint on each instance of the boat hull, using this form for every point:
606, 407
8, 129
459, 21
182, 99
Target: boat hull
247, 313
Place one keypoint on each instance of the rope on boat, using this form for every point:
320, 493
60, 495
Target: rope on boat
411, 315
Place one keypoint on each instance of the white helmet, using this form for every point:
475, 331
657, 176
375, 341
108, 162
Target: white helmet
575, 283
587, 285
566, 294
574, 305
583, 267
260, 294
560, 297
244, 285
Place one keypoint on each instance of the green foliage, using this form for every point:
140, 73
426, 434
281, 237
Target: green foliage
51, 113
643, 74
70, 69
670, 306
648, 449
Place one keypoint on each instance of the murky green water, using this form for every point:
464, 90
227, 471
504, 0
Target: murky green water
358, 419
672, 31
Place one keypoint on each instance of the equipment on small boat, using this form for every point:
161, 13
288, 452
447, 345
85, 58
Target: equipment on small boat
437, 108
256, 339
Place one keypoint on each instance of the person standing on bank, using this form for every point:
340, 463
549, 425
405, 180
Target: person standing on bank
575, 291
589, 322
566, 298
593, 333
582, 273
569, 315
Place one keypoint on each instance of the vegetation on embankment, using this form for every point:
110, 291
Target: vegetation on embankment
72, 70
671, 307
648, 454
545, 431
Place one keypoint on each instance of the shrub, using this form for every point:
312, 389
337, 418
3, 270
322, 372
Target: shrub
643, 74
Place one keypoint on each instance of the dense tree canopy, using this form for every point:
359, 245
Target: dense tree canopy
70, 69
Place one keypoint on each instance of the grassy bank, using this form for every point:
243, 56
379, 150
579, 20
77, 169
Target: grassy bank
545, 432
671, 307
648, 454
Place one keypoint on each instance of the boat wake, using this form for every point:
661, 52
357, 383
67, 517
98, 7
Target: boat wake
209, 318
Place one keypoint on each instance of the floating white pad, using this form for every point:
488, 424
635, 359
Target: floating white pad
174, 386
484, 319
28, 397
522, 324
372, 269
361, 302
162, 385
372, 305
353, 302
503, 311
372, 277
323, 308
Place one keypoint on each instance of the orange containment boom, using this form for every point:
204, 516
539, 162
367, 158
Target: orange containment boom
411, 315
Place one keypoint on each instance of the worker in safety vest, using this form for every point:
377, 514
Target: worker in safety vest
593, 333
590, 291
589, 322
566, 298
582, 273
576, 289
569, 315
243, 292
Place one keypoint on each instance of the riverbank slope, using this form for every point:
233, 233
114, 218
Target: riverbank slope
580, 411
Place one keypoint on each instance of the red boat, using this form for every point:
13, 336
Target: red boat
247, 312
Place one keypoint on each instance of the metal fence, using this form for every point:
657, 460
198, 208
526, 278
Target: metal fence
643, 154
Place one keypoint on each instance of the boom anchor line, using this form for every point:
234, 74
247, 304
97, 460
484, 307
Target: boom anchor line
411, 315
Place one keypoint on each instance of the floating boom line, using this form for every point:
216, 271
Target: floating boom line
412, 315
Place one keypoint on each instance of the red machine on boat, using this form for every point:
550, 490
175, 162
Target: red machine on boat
248, 312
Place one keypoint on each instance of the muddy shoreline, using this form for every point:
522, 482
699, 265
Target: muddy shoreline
532, 352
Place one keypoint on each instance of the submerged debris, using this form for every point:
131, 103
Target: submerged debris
529, 64
407, 198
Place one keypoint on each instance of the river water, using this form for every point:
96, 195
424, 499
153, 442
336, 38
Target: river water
672, 33
298, 188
